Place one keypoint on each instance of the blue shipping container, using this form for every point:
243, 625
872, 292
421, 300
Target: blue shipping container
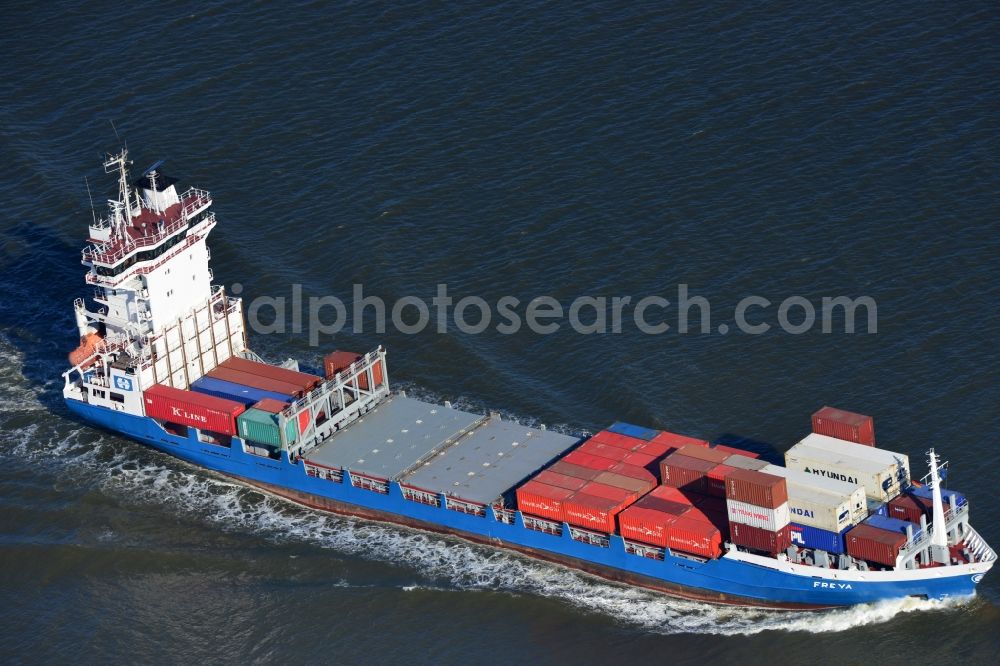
246, 395
630, 430
891, 524
927, 493
804, 536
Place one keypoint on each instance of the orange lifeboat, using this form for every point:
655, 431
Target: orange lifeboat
88, 345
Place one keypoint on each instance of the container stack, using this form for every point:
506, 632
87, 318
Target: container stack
275, 382
880, 539
917, 502
844, 425
822, 510
337, 361
247, 395
666, 518
882, 473
757, 507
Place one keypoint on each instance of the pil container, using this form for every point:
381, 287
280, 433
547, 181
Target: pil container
756, 538
758, 516
190, 408
756, 488
869, 543
256, 425
680, 471
539, 499
844, 425
638, 432
805, 536
248, 395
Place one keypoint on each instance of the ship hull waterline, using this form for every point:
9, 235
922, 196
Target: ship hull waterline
724, 582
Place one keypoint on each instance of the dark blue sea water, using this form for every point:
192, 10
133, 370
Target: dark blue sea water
502, 149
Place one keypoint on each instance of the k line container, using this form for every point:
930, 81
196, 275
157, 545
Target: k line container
248, 395
301, 379
683, 472
758, 516
259, 426
805, 536
635, 431
756, 538
874, 545
757, 488
558, 480
189, 408
844, 425
880, 481
539, 499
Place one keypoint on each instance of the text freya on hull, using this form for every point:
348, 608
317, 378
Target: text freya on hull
163, 359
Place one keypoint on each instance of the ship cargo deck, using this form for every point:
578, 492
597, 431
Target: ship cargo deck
441, 449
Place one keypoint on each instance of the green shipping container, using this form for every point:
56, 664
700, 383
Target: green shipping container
259, 426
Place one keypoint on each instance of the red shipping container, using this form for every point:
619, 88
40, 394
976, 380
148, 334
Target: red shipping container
591, 512
190, 408
874, 545
671, 494
645, 525
743, 462
910, 507
666, 506
336, 361
255, 381
578, 471
719, 521
604, 450
558, 480
703, 453
844, 425
655, 449
757, 488
630, 483
301, 379
735, 452
683, 472
761, 539
640, 473
589, 460
617, 439
675, 441
640, 459
715, 480
694, 536
271, 406
539, 499
621, 495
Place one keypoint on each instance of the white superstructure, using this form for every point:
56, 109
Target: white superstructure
156, 316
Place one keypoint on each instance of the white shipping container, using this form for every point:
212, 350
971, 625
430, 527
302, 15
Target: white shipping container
852, 494
883, 456
756, 516
818, 508
881, 482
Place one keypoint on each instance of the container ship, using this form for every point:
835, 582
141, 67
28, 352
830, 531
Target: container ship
163, 359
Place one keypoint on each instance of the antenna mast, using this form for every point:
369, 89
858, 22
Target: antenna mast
939, 531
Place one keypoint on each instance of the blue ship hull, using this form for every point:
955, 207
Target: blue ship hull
723, 580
